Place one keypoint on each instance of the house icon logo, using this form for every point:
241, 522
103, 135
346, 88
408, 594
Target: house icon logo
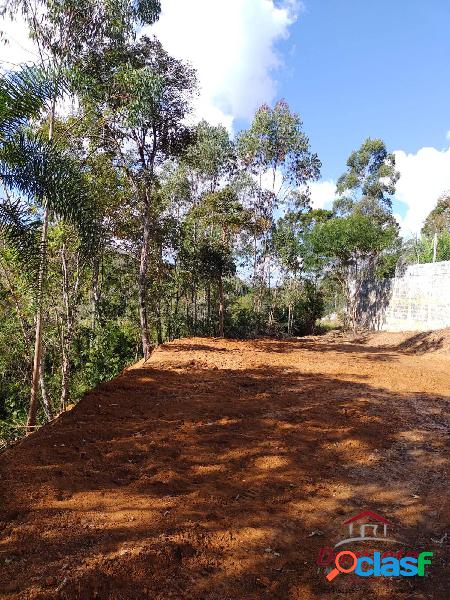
367, 525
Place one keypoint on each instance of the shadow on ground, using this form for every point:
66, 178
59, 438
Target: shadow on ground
185, 481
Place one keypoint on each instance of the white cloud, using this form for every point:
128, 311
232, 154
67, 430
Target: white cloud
232, 46
448, 135
424, 176
322, 193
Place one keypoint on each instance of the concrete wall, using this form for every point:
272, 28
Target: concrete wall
418, 300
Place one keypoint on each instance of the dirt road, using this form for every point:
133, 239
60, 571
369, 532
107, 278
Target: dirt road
220, 468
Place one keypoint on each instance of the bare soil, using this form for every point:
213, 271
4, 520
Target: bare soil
218, 470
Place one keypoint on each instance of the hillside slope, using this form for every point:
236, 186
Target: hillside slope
220, 468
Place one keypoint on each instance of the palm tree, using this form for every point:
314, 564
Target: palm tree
35, 171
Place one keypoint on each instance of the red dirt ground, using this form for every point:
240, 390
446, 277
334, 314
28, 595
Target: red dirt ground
217, 470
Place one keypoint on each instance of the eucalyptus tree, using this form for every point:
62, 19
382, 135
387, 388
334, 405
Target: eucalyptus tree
364, 233
350, 248
276, 151
65, 31
139, 97
438, 220
207, 165
221, 218
210, 159
369, 182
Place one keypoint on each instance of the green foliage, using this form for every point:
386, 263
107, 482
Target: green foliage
421, 250
35, 168
214, 261
70, 28
211, 153
276, 142
23, 95
295, 311
20, 229
438, 221
351, 238
244, 320
287, 242
39, 170
140, 94
370, 180
101, 357
361, 240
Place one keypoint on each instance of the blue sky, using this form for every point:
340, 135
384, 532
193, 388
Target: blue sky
355, 69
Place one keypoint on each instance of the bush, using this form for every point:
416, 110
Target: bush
306, 303
102, 358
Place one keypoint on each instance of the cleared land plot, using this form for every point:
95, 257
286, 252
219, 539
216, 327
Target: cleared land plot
217, 470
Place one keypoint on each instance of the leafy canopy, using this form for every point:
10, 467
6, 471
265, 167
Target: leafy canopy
369, 182
438, 221
276, 142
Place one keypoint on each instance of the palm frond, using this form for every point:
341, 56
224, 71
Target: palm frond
23, 95
21, 231
40, 170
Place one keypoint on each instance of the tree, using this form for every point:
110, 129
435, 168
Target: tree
39, 171
207, 165
140, 106
210, 158
64, 32
369, 182
350, 248
299, 265
221, 218
215, 261
427, 248
275, 145
438, 221
359, 240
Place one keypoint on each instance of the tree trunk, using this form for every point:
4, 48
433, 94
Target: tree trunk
194, 307
208, 308
159, 327
289, 319
65, 373
175, 314
351, 296
45, 401
221, 308
169, 318
32, 411
67, 336
159, 322
95, 294
20, 315
143, 268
